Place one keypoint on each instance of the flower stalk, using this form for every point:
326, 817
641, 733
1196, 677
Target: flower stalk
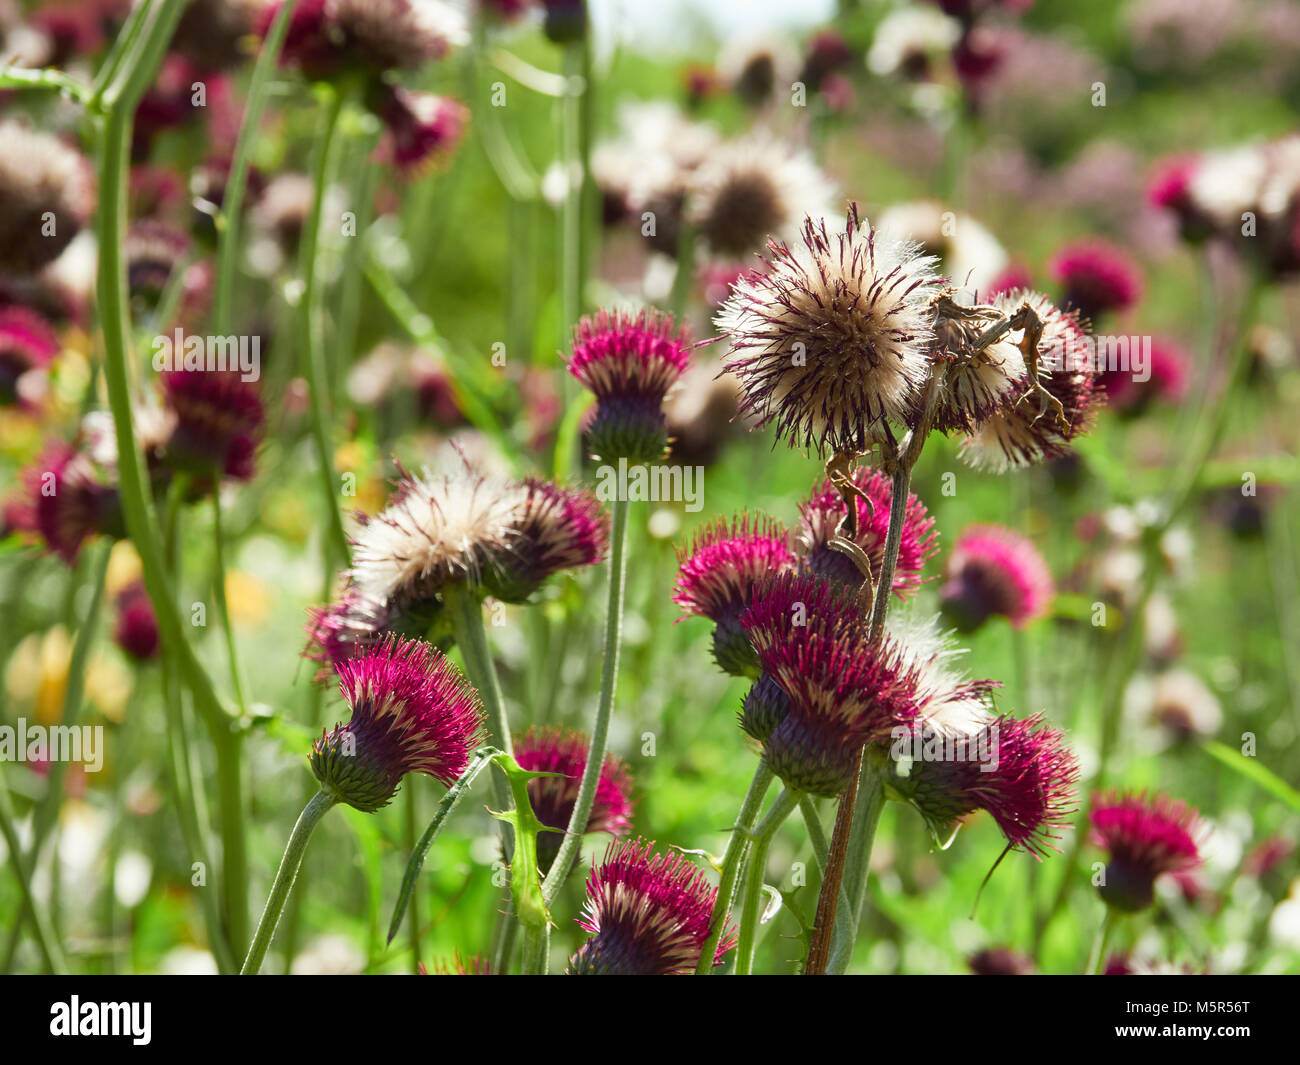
759, 839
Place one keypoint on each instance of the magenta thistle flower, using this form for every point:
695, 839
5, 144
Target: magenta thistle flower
844, 689
1000, 961
1167, 373
27, 343
1145, 838
218, 421
136, 627
820, 517
327, 37
648, 914
995, 570
629, 362
63, 499
412, 712
424, 129
1020, 771
1097, 278
553, 529
718, 575
553, 798
833, 337
153, 252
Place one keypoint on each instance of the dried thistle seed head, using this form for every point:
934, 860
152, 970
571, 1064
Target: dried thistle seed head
282, 210
553, 798
396, 34
213, 33
435, 529
967, 251
821, 515
751, 190
977, 377
1022, 431
629, 362
48, 193
995, 570
648, 914
1145, 837
758, 67
553, 529
833, 338
412, 712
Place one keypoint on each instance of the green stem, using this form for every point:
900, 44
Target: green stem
732, 862
471, 637
1098, 956
314, 369
857, 864
223, 606
760, 839
46, 941
685, 273
47, 809
284, 878
600, 730
237, 180
413, 927
816, 833
537, 949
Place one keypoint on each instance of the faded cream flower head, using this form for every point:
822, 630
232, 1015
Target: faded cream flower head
834, 337
753, 189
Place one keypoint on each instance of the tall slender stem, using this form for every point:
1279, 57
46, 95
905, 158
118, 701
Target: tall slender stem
232, 200
1097, 958
46, 941
307, 821
760, 839
313, 362
223, 606
866, 817
732, 863
600, 730
413, 917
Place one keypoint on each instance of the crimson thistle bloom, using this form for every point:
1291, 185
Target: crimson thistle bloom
1020, 771
1097, 277
1145, 837
136, 627
27, 343
218, 421
844, 689
424, 128
648, 914
411, 712
717, 578
822, 513
63, 498
629, 362
553, 528
552, 798
832, 338
995, 570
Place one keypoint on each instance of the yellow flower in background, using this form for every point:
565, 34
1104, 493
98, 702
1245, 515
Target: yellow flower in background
248, 598
123, 568
36, 679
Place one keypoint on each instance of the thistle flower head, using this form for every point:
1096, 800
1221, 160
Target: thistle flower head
995, 570
553, 798
424, 128
1145, 837
1020, 771
718, 575
153, 252
822, 513
27, 343
355, 622
844, 689
41, 178
975, 386
435, 529
1022, 430
218, 424
326, 36
1000, 961
648, 914
553, 528
1167, 370
833, 337
136, 627
749, 190
63, 498
765, 707
412, 712
1097, 278
629, 363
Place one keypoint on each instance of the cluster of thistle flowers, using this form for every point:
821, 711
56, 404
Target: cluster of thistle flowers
787, 612
1246, 197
